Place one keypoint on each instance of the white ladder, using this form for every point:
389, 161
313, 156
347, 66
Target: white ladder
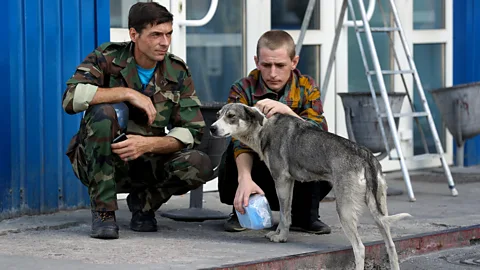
378, 73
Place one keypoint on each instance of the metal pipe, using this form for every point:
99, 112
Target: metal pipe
460, 156
208, 17
460, 150
333, 52
306, 21
371, 9
351, 135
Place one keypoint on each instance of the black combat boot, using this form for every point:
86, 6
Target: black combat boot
232, 224
315, 226
104, 225
308, 221
312, 224
143, 221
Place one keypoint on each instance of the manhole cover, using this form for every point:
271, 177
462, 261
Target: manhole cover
471, 260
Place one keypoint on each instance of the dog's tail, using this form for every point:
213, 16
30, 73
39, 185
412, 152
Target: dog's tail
376, 196
392, 219
377, 204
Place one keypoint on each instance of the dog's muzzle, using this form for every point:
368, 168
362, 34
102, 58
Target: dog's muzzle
217, 133
213, 130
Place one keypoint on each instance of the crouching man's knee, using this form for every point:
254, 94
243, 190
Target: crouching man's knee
91, 145
101, 121
191, 166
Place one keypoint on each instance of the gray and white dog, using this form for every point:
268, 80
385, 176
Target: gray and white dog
294, 149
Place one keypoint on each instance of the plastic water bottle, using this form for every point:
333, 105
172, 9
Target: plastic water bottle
258, 214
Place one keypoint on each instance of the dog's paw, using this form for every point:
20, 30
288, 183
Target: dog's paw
276, 237
270, 234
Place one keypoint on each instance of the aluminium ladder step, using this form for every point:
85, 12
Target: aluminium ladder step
419, 157
391, 72
380, 29
410, 114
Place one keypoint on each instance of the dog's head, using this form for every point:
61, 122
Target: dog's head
236, 118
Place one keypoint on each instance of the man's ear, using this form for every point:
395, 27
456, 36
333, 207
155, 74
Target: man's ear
255, 115
295, 61
133, 34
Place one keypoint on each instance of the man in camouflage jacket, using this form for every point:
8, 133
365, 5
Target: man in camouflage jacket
276, 86
158, 89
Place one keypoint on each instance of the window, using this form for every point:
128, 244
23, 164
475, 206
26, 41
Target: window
429, 14
288, 14
357, 79
215, 51
309, 63
430, 62
119, 12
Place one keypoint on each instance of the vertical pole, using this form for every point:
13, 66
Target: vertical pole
306, 21
323, 92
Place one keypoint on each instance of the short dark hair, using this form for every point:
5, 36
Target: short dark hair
275, 39
142, 14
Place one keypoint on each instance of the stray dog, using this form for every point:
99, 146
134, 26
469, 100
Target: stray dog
294, 149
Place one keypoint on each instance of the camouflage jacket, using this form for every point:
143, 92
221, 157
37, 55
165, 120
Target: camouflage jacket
300, 93
171, 90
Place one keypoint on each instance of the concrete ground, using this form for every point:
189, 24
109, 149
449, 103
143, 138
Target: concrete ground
62, 241
466, 258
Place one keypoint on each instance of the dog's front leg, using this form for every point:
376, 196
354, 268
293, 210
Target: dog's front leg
284, 188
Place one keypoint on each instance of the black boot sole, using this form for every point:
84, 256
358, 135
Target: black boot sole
143, 228
300, 229
104, 233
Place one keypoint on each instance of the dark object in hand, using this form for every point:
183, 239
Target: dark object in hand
122, 137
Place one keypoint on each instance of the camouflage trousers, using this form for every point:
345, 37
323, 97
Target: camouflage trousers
150, 180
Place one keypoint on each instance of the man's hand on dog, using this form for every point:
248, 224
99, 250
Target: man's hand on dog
270, 107
131, 148
246, 187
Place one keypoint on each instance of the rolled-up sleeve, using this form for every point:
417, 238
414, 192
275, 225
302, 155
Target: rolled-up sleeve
182, 134
83, 95
84, 83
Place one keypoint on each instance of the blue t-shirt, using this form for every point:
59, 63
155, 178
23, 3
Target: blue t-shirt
145, 75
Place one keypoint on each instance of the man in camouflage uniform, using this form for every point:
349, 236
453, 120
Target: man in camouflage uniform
158, 89
276, 86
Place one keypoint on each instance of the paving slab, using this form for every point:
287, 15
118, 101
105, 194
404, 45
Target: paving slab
466, 258
62, 238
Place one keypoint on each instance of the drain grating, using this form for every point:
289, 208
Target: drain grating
471, 260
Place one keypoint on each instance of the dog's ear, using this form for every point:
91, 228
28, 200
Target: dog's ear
255, 115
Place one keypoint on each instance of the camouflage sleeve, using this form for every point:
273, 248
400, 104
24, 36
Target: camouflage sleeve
312, 110
83, 85
238, 95
187, 119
